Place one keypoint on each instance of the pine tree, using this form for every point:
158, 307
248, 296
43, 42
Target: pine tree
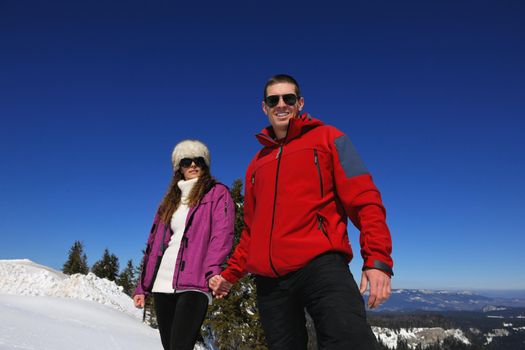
150, 315
402, 345
137, 272
76, 261
126, 279
233, 322
381, 346
107, 266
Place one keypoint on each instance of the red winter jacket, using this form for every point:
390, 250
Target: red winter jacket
299, 193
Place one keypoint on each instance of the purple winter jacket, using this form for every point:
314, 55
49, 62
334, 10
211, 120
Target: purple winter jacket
207, 240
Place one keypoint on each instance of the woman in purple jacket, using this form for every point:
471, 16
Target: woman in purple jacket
192, 234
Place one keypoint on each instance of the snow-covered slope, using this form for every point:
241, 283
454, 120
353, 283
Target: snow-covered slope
24, 277
417, 336
43, 309
49, 323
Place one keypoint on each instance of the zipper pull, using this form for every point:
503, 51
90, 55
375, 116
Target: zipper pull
253, 178
315, 157
279, 152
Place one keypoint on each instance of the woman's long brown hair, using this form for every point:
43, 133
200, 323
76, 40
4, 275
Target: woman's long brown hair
171, 200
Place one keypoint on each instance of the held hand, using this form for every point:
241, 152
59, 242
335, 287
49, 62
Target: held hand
219, 286
138, 300
379, 283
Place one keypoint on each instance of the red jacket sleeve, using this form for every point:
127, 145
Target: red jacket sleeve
362, 203
237, 263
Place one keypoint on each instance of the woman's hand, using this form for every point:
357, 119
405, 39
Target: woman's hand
138, 300
220, 286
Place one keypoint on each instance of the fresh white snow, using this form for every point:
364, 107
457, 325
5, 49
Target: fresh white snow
43, 309
417, 336
496, 333
42, 322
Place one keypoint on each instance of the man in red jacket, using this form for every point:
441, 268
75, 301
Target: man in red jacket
301, 188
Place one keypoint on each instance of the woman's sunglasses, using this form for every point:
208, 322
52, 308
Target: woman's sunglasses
186, 162
273, 100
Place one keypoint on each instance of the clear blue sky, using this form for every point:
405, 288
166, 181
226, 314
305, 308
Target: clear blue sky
95, 94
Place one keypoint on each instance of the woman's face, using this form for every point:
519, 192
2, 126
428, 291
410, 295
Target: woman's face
191, 172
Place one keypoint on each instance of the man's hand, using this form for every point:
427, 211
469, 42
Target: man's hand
138, 300
379, 286
219, 286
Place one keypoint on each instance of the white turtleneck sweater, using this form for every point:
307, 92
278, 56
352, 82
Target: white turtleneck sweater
164, 280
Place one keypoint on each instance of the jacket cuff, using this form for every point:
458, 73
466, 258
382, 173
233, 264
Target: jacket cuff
212, 271
139, 291
229, 276
379, 265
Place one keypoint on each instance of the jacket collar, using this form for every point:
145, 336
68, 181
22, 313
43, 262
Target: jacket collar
297, 127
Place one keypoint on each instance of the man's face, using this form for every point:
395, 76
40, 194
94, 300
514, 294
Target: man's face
279, 115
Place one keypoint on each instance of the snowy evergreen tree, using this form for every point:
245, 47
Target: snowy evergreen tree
107, 266
149, 315
137, 272
127, 279
233, 322
76, 261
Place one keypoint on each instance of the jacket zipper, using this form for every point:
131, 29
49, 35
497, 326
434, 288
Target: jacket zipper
278, 157
316, 161
184, 244
163, 246
159, 258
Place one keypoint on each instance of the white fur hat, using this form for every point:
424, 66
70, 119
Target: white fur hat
189, 149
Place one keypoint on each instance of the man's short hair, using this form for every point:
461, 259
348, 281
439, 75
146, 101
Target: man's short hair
282, 78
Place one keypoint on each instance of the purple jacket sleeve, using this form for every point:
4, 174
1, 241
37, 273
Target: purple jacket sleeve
138, 288
222, 227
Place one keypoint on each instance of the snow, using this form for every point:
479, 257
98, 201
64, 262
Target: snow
43, 309
417, 336
24, 277
457, 334
386, 336
496, 333
493, 308
42, 322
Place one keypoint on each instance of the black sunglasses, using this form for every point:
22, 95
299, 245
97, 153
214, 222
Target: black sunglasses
273, 100
186, 162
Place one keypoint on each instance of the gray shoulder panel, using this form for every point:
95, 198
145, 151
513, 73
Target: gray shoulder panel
350, 160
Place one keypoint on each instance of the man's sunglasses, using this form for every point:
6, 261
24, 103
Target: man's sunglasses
273, 100
186, 162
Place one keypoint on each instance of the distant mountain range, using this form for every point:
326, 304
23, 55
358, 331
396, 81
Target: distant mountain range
406, 300
450, 320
